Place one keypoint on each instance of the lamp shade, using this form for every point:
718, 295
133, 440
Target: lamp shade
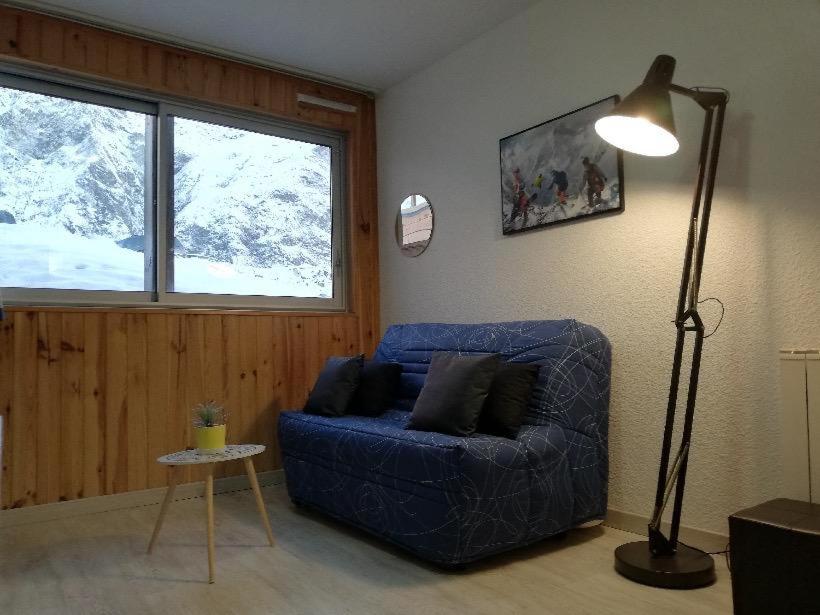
643, 122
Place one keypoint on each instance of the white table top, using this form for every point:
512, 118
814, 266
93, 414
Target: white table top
193, 457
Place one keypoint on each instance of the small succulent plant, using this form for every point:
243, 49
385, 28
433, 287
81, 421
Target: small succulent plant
209, 414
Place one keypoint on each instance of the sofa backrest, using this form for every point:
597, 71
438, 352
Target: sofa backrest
573, 384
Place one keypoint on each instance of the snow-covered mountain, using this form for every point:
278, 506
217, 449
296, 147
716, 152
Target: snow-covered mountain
252, 200
72, 165
559, 146
252, 213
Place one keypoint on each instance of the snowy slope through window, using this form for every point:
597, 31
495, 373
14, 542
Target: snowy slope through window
72, 191
112, 196
252, 213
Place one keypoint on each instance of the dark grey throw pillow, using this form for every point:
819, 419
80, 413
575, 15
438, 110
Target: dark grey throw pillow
453, 393
507, 400
377, 388
335, 386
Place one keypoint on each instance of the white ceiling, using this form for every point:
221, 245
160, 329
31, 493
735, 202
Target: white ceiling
369, 44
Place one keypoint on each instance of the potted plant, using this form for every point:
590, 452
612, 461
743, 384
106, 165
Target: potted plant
209, 427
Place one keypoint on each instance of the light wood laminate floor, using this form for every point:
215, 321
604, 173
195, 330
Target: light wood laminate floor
97, 563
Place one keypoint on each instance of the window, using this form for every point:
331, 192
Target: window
109, 199
252, 213
73, 192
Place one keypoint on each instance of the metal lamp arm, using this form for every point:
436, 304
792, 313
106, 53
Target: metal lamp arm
705, 98
687, 319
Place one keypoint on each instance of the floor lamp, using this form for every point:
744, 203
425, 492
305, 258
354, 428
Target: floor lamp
643, 123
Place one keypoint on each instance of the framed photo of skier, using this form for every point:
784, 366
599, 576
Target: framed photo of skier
560, 171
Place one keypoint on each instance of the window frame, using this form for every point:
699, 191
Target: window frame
64, 296
166, 198
159, 178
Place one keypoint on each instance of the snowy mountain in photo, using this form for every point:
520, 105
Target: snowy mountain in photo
252, 212
559, 145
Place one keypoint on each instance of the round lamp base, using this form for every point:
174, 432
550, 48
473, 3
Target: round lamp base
686, 569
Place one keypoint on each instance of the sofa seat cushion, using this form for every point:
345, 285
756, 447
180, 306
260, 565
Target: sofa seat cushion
433, 465
382, 449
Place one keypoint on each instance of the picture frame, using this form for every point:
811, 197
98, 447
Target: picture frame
560, 171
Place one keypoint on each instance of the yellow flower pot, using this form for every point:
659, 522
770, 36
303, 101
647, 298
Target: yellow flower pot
210, 439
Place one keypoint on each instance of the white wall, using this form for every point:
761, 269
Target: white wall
438, 134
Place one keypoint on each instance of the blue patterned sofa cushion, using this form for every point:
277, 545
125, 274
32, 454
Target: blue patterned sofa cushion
453, 500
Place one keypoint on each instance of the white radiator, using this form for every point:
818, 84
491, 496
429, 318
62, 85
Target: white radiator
800, 382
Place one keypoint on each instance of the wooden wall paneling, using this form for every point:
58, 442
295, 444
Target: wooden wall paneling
188, 370
8, 34
281, 384
93, 396
266, 402
137, 395
178, 417
232, 381
260, 95
183, 74
297, 354
76, 52
365, 228
22, 424
72, 347
159, 385
116, 403
136, 62
154, 66
214, 360
280, 95
313, 349
247, 363
6, 392
244, 89
49, 397
194, 360
174, 71
29, 36
51, 40
96, 54
211, 81
229, 83
93, 482
117, 57
329, 338
350, 327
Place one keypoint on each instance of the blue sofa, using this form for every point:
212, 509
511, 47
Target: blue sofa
453, 500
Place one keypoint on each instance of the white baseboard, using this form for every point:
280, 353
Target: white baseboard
637, 524
132, 499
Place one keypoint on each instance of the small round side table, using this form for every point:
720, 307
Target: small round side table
192, 457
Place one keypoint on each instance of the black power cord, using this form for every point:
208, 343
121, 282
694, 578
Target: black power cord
725, 552
722, 313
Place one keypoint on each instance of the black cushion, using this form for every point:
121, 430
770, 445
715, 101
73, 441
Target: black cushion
377, 388
453, 393
507, 400
335, 386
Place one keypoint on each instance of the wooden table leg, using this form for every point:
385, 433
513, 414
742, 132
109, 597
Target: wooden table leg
209, 497
169, 496
260, 504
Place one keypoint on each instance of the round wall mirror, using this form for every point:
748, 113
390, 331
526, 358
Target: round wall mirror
414, 225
